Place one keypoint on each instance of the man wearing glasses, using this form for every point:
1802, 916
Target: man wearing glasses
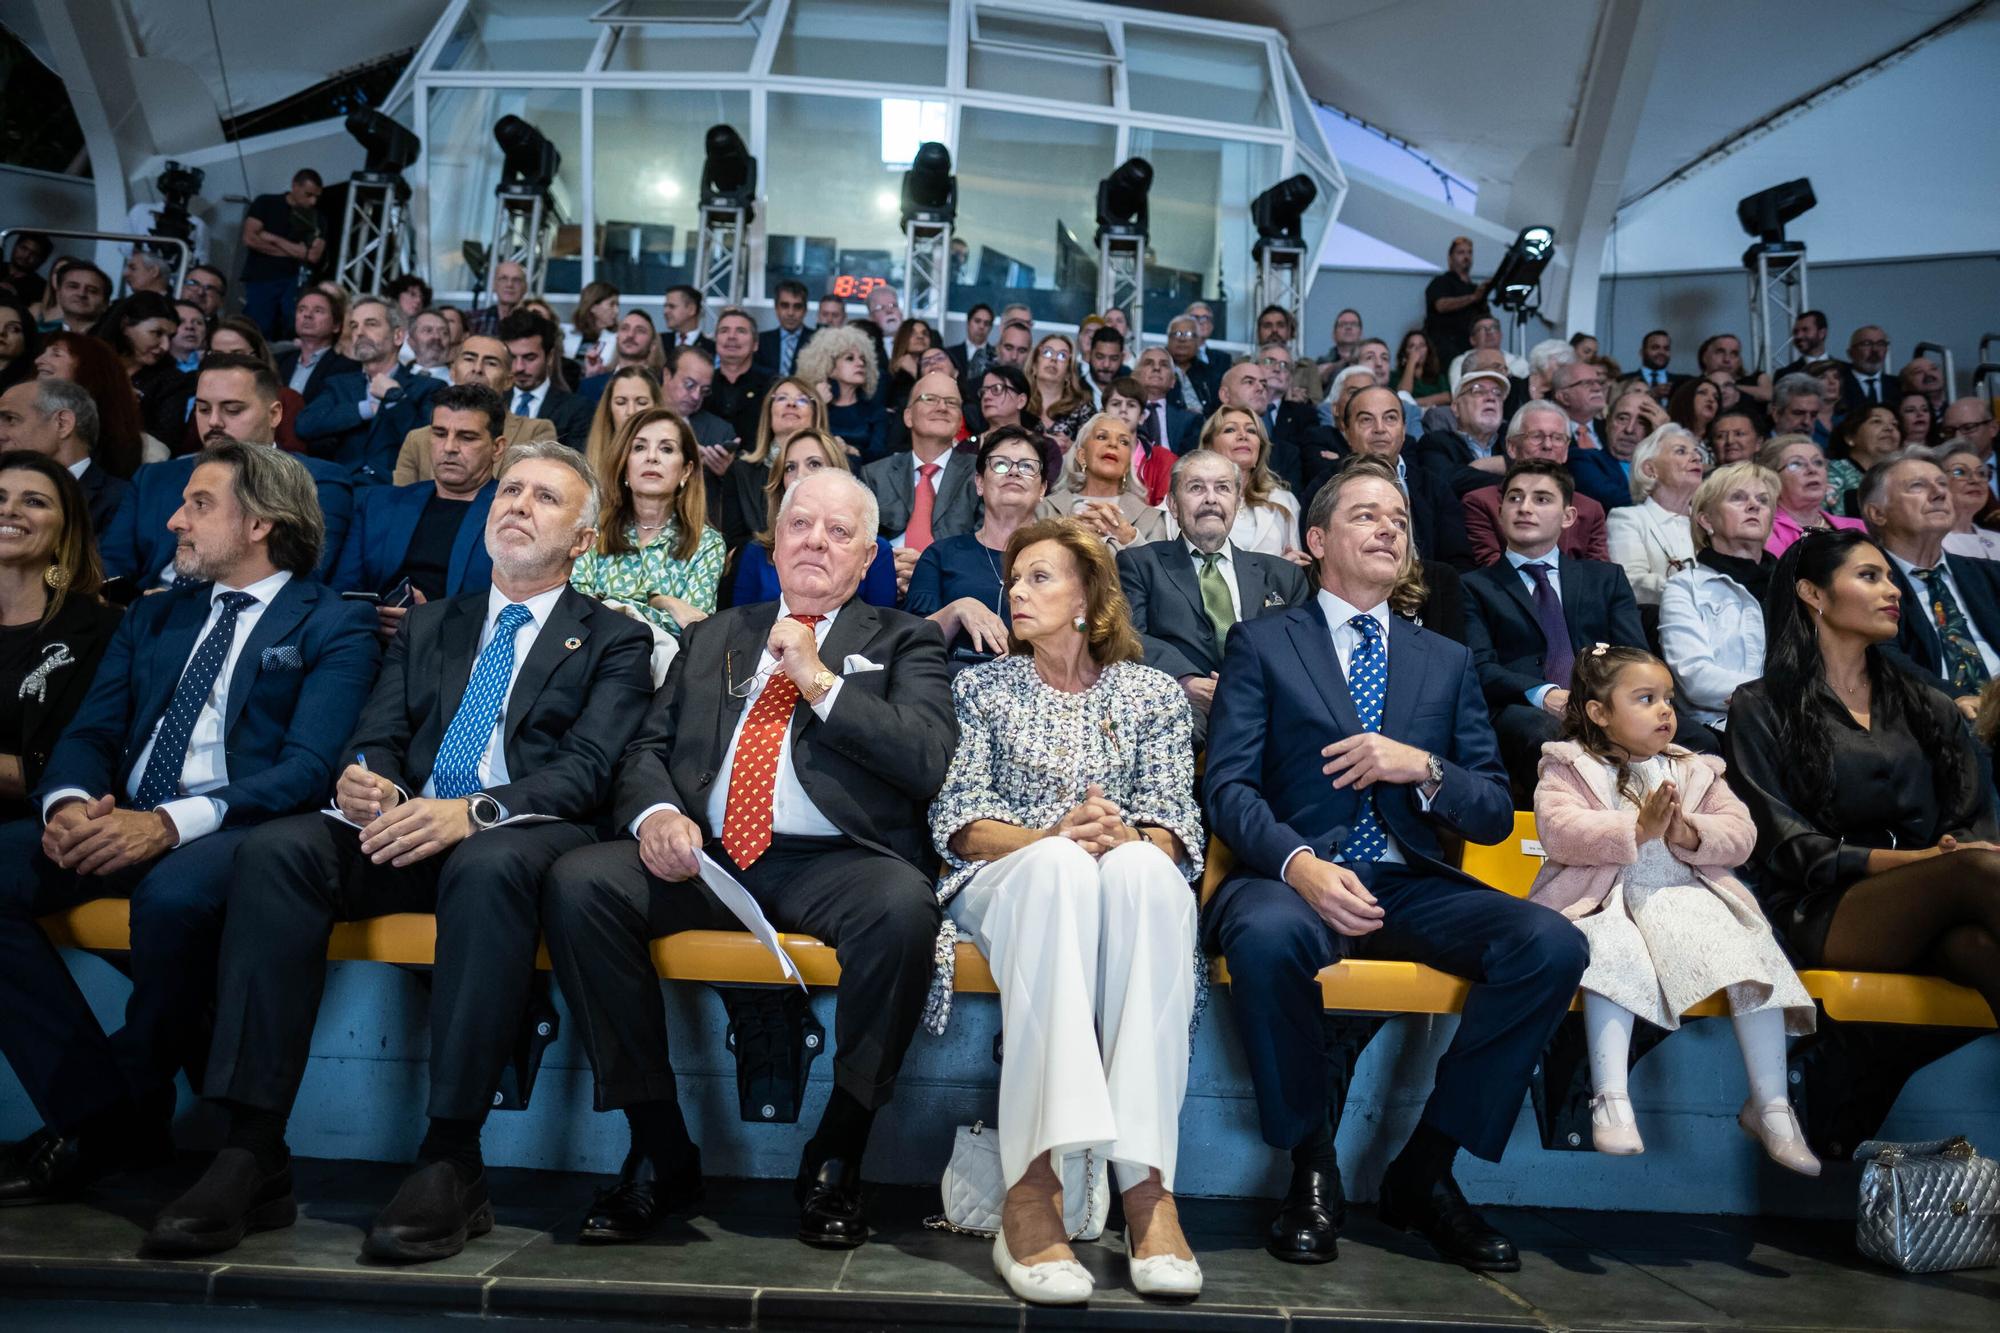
205, 287
1193, 388
925, 492
1971, 421
1867, 353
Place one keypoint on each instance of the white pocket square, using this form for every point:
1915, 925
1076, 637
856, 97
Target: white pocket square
856, 664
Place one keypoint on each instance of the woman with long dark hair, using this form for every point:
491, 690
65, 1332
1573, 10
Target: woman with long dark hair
88, 363
19, 341
1875, 834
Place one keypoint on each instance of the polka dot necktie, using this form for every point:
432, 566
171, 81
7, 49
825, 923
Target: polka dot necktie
456, 772
746, 819
1367, 683
162, 779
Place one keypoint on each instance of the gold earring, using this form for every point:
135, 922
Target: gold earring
56, 577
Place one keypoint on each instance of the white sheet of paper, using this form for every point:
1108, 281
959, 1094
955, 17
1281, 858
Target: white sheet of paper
745, 909
334, 814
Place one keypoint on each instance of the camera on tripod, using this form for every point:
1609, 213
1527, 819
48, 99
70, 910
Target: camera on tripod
177, 185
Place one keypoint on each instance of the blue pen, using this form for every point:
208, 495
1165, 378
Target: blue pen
362, 761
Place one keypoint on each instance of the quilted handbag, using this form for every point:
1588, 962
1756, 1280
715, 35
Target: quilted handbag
974, 1187
1928, 1207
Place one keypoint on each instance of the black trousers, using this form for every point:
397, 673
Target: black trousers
67, 1065
295, 877
1523, 959
601, 907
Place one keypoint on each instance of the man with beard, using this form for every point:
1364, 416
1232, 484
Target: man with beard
235, 398
429, 348
359, 421
637, 344
219, 705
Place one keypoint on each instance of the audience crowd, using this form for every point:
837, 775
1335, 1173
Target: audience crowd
355, 603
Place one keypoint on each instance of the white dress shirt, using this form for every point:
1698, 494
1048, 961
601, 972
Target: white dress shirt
1346, 639
206, 767
1923, 589
943, 462
493, 763
1553, 559
536, 396
792, 810
1225, 565
79, 467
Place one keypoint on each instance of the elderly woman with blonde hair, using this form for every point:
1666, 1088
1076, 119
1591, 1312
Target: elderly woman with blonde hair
1712, 609
1072, 841
1650, 537
1099, 490
842, 367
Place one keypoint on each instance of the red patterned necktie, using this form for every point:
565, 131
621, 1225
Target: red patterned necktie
746, 819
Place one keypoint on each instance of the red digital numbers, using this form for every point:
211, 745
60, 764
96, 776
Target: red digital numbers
848, 287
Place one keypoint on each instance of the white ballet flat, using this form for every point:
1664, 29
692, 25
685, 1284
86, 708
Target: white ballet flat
1058, 1282
1785, 1145
1613, 1128
1167, 1276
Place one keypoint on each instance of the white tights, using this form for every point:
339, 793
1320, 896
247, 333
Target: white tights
1608, 1030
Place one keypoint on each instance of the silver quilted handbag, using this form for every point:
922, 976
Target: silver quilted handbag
1928, 1207
974, 1187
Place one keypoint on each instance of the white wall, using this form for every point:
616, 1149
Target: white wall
1902, 164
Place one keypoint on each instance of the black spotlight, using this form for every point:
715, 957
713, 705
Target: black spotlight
1122, 199
728, 172
1278, 211
529, 162
930, 191
390, 147
1765, 213
1520, 269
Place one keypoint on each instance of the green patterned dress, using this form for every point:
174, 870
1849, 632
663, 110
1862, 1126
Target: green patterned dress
651, 571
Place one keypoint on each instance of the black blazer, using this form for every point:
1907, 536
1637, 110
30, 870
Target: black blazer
1437, 516
67, 650
1508, 647
1917, 643
570, 414
333, 363
872, 767
102, 493
577, 698
1160, 583
768, 348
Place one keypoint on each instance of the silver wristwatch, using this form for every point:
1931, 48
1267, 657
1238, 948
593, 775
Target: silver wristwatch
483, 810
1436, 766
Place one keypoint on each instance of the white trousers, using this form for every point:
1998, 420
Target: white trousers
1081, 945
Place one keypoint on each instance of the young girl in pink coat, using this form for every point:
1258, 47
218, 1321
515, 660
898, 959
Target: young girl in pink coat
1642, 838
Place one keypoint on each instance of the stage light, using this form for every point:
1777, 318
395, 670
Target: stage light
1765, 213
728, 172
528, 162
389, 146
1122, 206
930, 191
1278, 211
1520, 269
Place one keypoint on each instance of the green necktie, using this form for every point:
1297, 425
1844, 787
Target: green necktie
1963, 666
1215, 598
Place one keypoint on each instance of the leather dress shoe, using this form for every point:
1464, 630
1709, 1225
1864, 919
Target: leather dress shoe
233, 1198
830, 1205
630, 1209
1439, 1213
47, 1167
432, 1216
1307, 1227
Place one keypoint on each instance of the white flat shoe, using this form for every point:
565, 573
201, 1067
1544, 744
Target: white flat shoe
1776, 1127
1613, 1127
1059, 1282
1167, 1276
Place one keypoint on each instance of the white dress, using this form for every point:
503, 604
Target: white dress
1663, 941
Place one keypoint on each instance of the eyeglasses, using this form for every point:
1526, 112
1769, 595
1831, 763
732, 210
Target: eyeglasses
1018, 467
1274, 363
790, 400
994, 391
1951, 432
1982, 472
1054, 354
213, 288
1182, 336
934, 399
694, 388
1804, 465
1543, 437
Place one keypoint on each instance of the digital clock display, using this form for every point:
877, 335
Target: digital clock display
851, 287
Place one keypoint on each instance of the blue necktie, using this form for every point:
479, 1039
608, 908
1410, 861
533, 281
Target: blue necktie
1367, 683
524, 404
788, 348
456, 772
162, 778
1560, 661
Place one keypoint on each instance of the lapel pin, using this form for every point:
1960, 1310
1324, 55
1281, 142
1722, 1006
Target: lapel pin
572, 643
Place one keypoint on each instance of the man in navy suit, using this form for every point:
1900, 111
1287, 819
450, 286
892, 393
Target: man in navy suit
778, 349
218, 705
1164, 420
307, 365
1577, 387
1373, 424
236, 398
360, 420
1530, 615
59, 419
431, 534
531, 348
510, 701
1949, 633
1343, 741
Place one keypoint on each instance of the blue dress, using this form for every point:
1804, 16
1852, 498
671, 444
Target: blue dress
955, 567
863, 423
757, 577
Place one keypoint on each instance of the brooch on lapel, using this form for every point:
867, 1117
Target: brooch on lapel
35, 685
1110, 732
572, 643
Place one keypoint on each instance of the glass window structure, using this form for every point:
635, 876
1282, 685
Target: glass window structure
832, 97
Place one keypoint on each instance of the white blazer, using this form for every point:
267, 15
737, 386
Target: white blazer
1648, 540
1712, 635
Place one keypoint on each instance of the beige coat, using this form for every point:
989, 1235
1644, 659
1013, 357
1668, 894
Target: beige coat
1150, 520
413, 460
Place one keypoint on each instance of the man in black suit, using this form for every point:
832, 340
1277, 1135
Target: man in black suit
736, 393
682, 316
59, 418
1186, 593
531, 347
1164, 420
1473, 441
1245, 388
1867, 380
1195, 380
1373, 425
808, 787
509, 703
970, 356
305, 367
1534, 611
778, 349
1656, 351
1950, 626
1808, 340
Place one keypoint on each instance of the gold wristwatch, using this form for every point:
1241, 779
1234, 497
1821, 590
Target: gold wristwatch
821, 682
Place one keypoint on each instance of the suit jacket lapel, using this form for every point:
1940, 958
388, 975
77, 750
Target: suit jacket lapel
1313, 639
566, 632
957, 490
1573, 596
744, 658
169, 659
1974, 594
278, 619
458, 644
1180, 572
471, 540
404, 510
850, 632
1510, 582
1408, 664
1922, 625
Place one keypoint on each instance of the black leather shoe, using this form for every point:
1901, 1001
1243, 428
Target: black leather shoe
630, 1209
1308, 1223
47, 1167
1439, 1213
830, 1205
233, 1198
432, 1216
